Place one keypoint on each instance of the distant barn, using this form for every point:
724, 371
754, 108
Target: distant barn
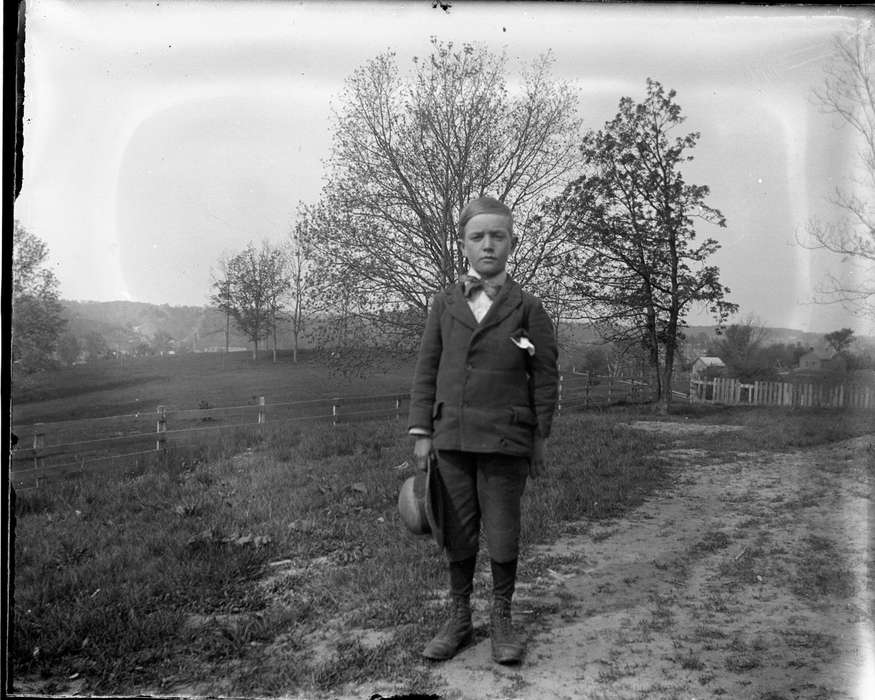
706, 366
818, 361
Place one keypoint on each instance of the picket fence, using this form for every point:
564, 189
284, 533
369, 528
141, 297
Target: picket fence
733, 392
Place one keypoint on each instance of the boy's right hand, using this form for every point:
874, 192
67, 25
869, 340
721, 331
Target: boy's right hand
422, 453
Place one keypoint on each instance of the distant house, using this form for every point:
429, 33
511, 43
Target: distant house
706, 366
817, 361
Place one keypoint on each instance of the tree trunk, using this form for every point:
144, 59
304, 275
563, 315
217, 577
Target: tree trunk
274, 339
653, 354
668, 370
227, 331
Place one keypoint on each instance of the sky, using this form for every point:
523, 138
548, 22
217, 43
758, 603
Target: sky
161, 136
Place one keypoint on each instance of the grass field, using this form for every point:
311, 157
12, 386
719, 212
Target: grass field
276, 563
104, 416
110, 388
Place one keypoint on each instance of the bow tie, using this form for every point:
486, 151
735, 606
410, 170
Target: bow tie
471, 284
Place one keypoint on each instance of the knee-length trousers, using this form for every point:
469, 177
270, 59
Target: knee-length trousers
485, 488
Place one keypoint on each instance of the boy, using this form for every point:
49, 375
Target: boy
482, 403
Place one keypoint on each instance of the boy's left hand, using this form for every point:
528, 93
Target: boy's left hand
537, 464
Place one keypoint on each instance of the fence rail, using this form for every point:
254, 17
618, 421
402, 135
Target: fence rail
585, 390
733, 392
46, 451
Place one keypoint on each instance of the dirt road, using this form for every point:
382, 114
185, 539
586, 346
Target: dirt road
748, 578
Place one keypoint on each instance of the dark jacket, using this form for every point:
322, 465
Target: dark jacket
473, 387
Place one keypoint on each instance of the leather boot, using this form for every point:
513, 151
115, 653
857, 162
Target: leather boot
506, 648
456, 632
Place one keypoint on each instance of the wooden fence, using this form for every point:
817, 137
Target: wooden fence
581, 390
46, 451
733, 392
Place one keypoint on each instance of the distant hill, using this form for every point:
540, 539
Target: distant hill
125, 324
789, 336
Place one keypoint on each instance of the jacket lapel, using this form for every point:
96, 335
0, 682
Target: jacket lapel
509, 298
458, 307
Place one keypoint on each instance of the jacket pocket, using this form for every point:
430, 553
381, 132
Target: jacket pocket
524, 415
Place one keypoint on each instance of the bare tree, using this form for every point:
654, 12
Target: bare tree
848, 92
409, 152
251, 291
221, 297
302, 273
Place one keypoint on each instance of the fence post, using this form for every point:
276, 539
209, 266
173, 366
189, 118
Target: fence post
335, 403
559, 393
161, 429
397, 408
38, 443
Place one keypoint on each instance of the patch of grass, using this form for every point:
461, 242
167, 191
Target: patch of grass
661, 614
690, 661
821, 570
744, 656
741, 662
711, 542
818, 642
598, 469
109, 387
225, 559
155, 579
742, 570
772, 428
614, 672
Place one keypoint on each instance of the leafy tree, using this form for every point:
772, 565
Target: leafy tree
741, 347
69, 348
37, 320
632, 216
848, 92
840, 340
860, 361
143, 349
251, 291
96, 346
595, 358
410, 151
783, 355
162, 341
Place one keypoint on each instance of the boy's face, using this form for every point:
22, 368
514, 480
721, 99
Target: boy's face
487, 243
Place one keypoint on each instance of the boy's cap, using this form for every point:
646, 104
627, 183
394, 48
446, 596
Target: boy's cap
483, 205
